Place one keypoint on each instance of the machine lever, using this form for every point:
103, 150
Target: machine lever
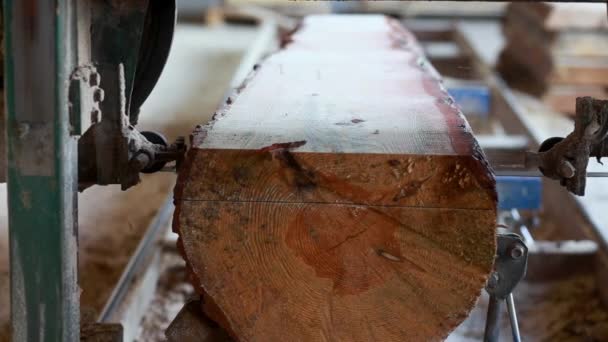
509, 269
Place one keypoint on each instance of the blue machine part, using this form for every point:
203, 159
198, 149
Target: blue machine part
524, 193
472, 99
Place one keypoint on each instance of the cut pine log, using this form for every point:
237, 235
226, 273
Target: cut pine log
339, 195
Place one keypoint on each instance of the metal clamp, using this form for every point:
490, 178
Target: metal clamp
509, 269
112, 151
566, 159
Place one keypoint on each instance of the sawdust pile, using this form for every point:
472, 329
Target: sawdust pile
112, 223
568, 310
564, 310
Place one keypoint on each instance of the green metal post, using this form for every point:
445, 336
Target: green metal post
2, 120
42, 161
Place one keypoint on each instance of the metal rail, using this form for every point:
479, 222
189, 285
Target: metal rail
139, 260
512, 115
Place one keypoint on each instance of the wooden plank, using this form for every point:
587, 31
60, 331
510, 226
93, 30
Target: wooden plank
339, 194
554, 44
579, 71
563, 98
554, 65
552, 17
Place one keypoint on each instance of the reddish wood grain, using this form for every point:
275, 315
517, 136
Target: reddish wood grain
339, 195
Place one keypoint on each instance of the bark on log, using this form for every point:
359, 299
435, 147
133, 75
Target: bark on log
339, 195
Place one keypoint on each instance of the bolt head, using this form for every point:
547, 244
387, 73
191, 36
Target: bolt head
98, 95
566, 169
94, 79
95, 115
517, 251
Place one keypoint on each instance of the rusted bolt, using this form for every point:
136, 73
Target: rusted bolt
95, 115
517, 251
140, 161
94, 79
566, 169
98, 95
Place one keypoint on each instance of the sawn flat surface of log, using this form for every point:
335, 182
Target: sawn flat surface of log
339, 195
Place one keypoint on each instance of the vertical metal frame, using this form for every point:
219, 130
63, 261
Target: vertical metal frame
2, 114
40, 45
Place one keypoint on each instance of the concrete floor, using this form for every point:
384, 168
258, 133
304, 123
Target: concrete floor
201, 65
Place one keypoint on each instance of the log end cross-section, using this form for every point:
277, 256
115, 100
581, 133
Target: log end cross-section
339, 195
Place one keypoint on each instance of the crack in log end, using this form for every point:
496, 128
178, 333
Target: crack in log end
303, 179
346, 239
292, 171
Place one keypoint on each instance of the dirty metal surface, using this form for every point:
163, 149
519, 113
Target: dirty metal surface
567, 160
41, 175
2, 115
125, 44
117, 28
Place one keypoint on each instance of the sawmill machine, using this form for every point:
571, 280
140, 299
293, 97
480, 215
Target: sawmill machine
76, 73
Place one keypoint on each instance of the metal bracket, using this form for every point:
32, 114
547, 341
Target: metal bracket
85, 94
112, 151
566, 159
509, 269
128, 53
